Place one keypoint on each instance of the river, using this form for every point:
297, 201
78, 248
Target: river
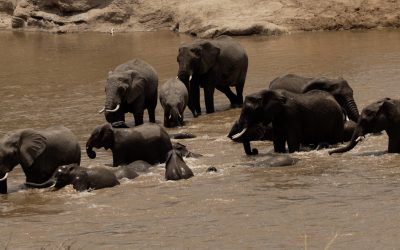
347, 201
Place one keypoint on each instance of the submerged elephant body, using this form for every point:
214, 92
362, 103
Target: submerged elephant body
311, 118
173, 99
339, 88
131, 87
215, 63
376, 117
39, 152
176, 168
148, 142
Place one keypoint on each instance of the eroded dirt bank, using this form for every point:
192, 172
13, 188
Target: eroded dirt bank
204, 18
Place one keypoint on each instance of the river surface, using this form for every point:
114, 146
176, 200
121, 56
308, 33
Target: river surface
348, 201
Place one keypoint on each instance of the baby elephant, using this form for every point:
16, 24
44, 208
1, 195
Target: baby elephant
83, 178
176, 168
173, 99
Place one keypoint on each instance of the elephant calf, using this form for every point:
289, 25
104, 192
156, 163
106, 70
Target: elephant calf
173, 99
376, 117
83, 179
148, 142
176, 168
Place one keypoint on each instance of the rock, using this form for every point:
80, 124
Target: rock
206, 18
17, 22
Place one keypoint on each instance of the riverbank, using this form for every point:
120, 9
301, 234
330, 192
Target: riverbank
206, 18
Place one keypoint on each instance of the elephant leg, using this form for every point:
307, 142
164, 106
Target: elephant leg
138, 118
279, 139
209, 98
195, 98
293, 142
152, 115
228, 92
394, 144
239, 94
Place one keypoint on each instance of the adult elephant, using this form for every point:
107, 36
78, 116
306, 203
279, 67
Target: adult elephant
376, 117
39, 152
263, 132
310, 118
339, 88
216, 63
147, 142
131, 88
173, 99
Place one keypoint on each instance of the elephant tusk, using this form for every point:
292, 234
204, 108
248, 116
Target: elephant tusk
190, 78
5, 177
360, 138
102, 111
180, 117
239, 134
170, 116
113, 110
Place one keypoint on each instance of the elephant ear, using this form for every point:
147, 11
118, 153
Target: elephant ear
135, 86
32, 144
320, 83
209, 56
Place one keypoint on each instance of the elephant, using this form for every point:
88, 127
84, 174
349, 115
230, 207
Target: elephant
176, 168
38, 151
339, 88
131, 87
173, 99
310, 118
381, 115
149, 142
212, 63
81, 178
262, 132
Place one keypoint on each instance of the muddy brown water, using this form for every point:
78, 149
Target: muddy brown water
333, 202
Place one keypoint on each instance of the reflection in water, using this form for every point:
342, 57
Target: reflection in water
341, 201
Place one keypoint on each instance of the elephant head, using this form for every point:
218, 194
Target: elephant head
102, 136
374, 118
121, 88
172, 116
259, 107
340, 89
196, 59
22, 147
175, 167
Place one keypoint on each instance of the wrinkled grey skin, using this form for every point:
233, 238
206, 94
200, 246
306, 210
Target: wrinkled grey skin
339, 88
132, 86
376, 117
136, 167
176, 168
213, 63
149, 142
39, 152
311, 118
81, 178
173, 99
262, 132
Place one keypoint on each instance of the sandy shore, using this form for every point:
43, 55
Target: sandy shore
205, 18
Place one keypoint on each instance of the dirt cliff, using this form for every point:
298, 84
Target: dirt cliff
205, 18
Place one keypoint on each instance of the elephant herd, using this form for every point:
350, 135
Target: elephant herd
293, 111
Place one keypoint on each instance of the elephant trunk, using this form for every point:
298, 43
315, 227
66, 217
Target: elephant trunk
357, 135
248, 150
89, 149
50, 182
3, 184
352, 110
